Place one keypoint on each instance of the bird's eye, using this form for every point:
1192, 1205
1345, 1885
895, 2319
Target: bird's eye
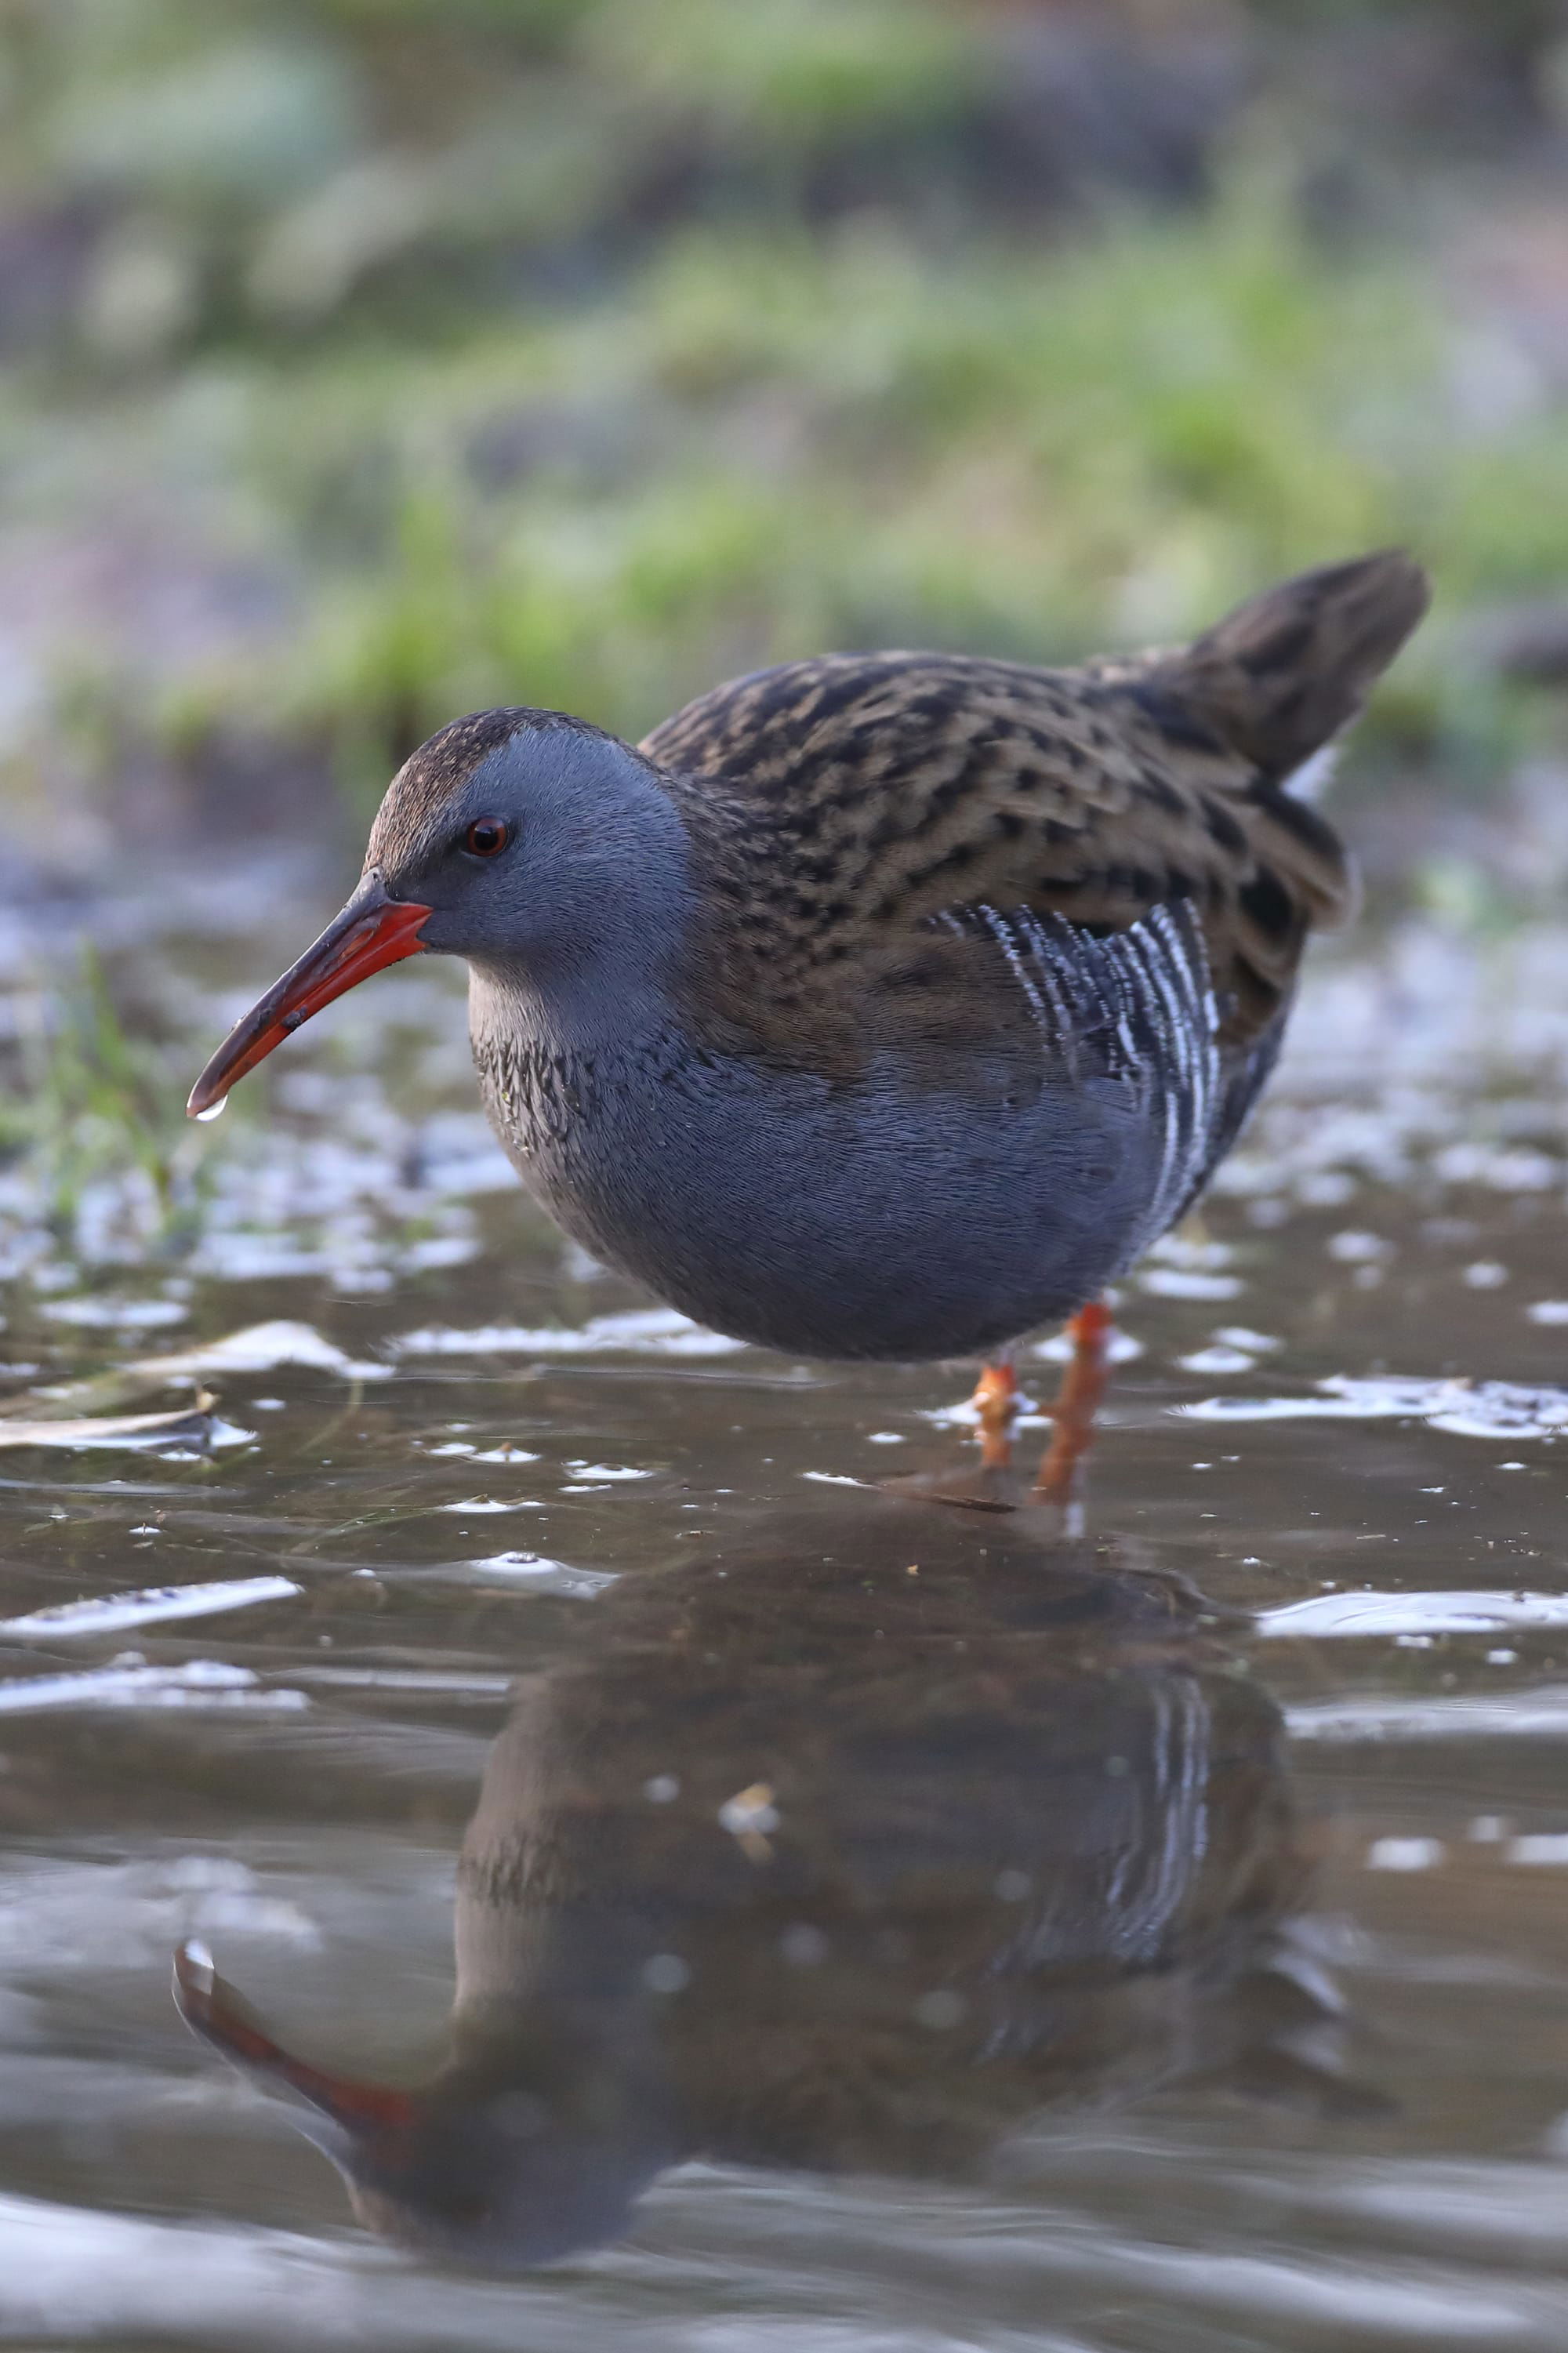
487, 837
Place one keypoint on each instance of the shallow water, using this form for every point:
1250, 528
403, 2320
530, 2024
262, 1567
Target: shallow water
879, 1926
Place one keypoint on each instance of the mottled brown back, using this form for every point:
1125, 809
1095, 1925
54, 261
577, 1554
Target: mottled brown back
841, 805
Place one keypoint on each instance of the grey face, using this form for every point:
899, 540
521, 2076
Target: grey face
557, 855
548, 854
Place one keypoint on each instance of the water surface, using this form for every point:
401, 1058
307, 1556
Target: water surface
876, 1924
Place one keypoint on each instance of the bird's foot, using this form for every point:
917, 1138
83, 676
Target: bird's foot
995, 1400
1083, 1388
994, 1484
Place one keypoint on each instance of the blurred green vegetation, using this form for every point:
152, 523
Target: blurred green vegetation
439, 352
95, 1097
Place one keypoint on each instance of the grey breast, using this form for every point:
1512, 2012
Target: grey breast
864, 1219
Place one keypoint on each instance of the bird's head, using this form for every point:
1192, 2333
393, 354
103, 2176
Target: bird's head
534, 845
531, 2144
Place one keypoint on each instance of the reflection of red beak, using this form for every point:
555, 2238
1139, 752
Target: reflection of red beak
371, 931
215, 2011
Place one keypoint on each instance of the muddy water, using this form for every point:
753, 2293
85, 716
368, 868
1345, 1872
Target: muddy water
876, 1926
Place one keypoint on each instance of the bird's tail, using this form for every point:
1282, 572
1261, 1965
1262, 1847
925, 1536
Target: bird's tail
1279, 678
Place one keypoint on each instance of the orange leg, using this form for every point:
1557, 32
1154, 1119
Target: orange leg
1078, 1401
995, 1400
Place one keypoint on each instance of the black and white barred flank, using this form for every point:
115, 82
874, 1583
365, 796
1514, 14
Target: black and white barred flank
1138, 1876
1135, 1004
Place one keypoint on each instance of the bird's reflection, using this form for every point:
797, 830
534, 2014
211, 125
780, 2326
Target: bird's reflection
852, 1855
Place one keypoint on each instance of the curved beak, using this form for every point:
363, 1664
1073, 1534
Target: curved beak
373, 929
212, 2009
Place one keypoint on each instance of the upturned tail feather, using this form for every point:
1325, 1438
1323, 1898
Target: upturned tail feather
1279, 677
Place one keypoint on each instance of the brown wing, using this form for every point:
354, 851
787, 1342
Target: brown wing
892, 789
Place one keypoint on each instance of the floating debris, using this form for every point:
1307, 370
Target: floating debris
188, 1426
545, 1576
112, 1613
478, 1504
749, 1816
260, 1349
255, 1348
750, 1810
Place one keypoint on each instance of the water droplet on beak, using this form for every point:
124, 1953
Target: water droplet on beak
213, 1111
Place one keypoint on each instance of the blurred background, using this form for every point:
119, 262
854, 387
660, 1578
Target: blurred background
365, 362
362, 361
